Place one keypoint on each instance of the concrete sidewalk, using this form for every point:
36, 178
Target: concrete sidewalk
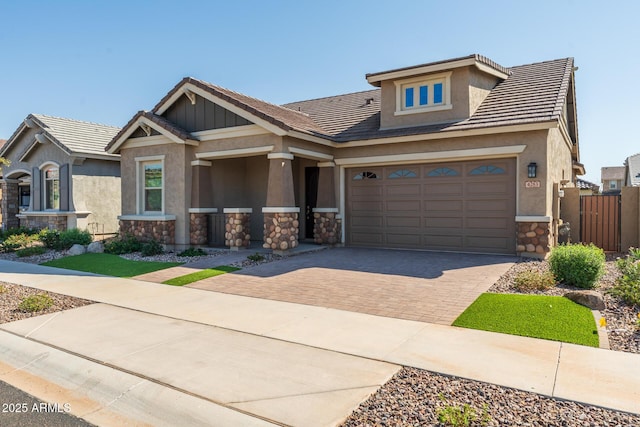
589, 375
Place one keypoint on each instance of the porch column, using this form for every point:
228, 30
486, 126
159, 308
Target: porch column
201, 202
237, 228
534, 236
10, 204
281, 216
327, 223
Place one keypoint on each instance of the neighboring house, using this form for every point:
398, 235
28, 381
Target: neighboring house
632, 171
612, 179
461, 155
587, 188
2, 142
60, 176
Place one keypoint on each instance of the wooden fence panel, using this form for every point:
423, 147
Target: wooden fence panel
600, 221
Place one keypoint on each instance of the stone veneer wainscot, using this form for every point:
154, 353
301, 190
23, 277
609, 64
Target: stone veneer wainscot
160, 230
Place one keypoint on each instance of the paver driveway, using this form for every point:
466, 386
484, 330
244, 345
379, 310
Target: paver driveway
432, 287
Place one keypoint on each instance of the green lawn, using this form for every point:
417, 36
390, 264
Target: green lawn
203, 274
110, 265
537, 316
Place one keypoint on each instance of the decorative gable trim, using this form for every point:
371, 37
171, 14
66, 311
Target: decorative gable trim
144, 122
190, 87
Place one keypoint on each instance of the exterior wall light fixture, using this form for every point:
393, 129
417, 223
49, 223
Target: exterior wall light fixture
532, 170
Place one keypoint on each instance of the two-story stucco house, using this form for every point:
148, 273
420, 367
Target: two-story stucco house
457, 155
613, 178
60, 176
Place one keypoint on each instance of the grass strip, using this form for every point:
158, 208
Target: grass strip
199, 275
108, 264
537, 316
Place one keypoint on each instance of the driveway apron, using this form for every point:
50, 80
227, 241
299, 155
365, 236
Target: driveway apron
432, 287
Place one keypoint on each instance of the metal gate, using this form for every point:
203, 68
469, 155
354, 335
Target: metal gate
600, 221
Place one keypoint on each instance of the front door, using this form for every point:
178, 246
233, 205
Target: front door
311, 197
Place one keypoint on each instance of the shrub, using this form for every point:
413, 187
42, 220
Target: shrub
534, 281
35, 303
256, 257
627, 287
14, 242
50, 238
151, 248
2, 289
192, 252
124, 245
577, 265
74, 236
30, 251
18, 230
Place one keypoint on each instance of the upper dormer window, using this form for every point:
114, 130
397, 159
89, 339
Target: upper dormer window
423, 94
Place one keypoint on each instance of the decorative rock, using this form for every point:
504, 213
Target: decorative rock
95, 248
591, 299
76, 250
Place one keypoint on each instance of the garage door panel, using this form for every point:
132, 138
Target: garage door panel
367, 221
366, 190
364, 206
487, 224
445, 206
404, 221
403, 206
408, 190
447, 189
403, 239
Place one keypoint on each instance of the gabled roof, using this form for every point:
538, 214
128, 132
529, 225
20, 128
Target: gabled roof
633, 167
74, 137
530, 94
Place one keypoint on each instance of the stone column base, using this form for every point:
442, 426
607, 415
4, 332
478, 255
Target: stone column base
198, 228
533, 239
162, 231
327, 226
237, 229
281, 228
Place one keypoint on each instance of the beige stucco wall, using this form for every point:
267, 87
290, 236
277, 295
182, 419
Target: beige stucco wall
630, 218
468, 88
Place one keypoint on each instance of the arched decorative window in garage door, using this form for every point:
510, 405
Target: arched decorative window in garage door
444, 171
403, 173
365, 175
487, 170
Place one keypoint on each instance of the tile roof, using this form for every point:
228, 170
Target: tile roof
533, 93
72, 136
586, 185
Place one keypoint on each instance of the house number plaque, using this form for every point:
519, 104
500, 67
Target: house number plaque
532, 184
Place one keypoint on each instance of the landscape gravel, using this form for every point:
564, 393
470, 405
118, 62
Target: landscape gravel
413, 397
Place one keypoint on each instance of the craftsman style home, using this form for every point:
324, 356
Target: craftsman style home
60, 176
456, 155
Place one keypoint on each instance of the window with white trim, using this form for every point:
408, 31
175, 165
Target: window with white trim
152, 186
52, 188
423, 94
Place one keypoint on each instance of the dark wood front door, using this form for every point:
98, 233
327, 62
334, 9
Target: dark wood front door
311, 197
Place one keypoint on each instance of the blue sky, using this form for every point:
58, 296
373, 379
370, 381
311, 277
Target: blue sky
102, 61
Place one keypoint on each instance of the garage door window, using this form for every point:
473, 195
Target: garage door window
365, 175
403, 173
443, 172
487, 170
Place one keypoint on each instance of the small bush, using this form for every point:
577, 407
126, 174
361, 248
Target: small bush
30, 251
152, 248
14, 242
577, 265
192, 252
124, 245
50, 238
18, 230
2, 289
534, 281
35, 303
256, 257
627, 287
74, 236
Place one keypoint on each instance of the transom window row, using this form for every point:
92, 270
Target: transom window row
436, 172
